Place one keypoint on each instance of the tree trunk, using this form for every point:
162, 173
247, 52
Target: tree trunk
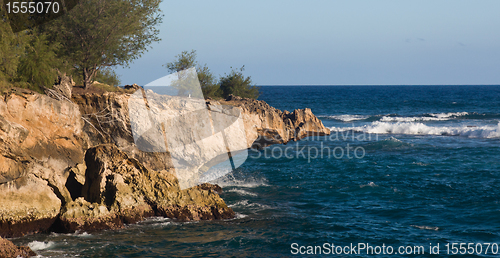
88, 76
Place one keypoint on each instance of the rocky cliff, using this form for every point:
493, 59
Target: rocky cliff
69, 165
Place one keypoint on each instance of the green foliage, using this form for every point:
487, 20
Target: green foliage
107, 76
207, 80
37, 67
101, 33
11, 48
237, 84
185, 60
234, 83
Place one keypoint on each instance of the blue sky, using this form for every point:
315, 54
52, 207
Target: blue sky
329, 42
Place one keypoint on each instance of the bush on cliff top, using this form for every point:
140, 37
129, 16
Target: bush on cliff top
234, 83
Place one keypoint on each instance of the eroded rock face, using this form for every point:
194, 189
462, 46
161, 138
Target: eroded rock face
76, 163
39, 139
108, 122
9, 250
266, 125
120, 190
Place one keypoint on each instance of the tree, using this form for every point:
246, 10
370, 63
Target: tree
208, 82
237, 84
38, 65
107, 76
11, 48
97, 34
186, 60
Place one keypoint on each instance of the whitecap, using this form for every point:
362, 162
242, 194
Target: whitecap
347, 118
239, 203
84, 234
412, 128
242, 192
246, 204
451, 114
239, 216
37, 245
230, 180
429, 117
371, 184
426, 227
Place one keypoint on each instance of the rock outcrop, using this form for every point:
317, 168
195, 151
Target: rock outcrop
69, 165
39, 139
63, 88
9, 250
266, 125
120, 190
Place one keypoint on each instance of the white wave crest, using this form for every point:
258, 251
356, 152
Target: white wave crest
36, 245
431, 117
242, 192
230, 180
412, 128
347, 118
448, 115
247, 204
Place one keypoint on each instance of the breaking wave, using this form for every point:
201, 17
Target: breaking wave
417, 118
426, 117
413, 128
346, 118
37, 245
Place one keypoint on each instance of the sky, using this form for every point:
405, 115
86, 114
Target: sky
330, 42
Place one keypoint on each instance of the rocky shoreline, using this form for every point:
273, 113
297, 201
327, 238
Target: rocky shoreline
68, 165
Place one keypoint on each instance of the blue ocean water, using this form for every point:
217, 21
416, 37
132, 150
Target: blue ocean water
405, 166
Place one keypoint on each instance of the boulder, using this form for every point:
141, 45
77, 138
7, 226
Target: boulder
133, 87
8, 250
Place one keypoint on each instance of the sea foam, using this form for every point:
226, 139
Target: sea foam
346, 118
413, 128
427, 117
37, 245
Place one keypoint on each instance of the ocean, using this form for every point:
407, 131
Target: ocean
407, 169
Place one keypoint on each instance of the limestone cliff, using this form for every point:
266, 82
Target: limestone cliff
72, 165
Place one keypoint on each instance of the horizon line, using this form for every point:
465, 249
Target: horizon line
333, 85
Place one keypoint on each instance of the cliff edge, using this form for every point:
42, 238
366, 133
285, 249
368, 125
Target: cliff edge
68, 165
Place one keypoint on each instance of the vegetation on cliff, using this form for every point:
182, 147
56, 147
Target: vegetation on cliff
234, 83
85, 42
